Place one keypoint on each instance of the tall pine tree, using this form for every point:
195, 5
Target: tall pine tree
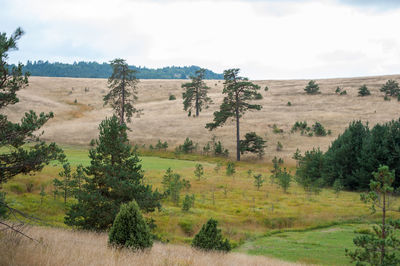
15, 158
115, 176
239, 93
123, 94
195, 95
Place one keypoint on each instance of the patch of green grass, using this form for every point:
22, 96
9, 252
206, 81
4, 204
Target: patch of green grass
322, 246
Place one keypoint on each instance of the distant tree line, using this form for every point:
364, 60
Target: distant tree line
104, 70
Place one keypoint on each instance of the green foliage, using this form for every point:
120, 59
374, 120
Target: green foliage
279, 146
123, 90
338, 90
173, 184
276, 168
312, 88
319, 129
309, 171
66, 184
230, 169
3, 206
363, 91
172, 97
195, 95
187, 226
276, 129
15, 158
289, 104
298, 125
113, 177
199, 171
187, 147
386, 98
343, 92
210, 238
188, 202
161, 145
284, 178
391, 88
258, 181
253, 143
381, 247
130, 229
216, 147
239, 93
337, 187
104, 70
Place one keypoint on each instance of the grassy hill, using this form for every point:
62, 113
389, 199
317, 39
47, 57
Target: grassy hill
77, 122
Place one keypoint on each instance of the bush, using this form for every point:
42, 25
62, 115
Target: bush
230, 169
172, 97
319, 129
276, 130
279, 146
391, 88
253, 143
187, 227
130, 229
187, 147
299, 126
284, 179
188, 202
309, 171
312, 88
210, 238
363, 91
173, 184
289, 104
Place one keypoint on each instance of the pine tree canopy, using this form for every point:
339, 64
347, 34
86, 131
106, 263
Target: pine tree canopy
16, 158
195, 95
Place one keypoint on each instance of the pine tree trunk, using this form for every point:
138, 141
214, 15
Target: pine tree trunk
122, 121
197, 103
237, 132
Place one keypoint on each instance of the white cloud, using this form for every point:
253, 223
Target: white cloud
266, 39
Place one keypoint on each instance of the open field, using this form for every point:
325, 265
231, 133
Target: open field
166, 120
63, 247
247, 216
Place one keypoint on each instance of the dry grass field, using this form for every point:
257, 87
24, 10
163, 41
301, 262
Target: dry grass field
76, 123
64, 247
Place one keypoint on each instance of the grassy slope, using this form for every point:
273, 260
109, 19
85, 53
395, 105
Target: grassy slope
244, 212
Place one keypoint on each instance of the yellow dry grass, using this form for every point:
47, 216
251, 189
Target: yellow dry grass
63, 247
166, 120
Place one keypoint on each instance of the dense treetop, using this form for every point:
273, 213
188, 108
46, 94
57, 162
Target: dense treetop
104, 70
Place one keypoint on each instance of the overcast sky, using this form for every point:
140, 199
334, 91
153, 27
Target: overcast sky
266, 39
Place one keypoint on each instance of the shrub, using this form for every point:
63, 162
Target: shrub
187, 147
312, 88
363, 91
309, 171
319, 129
258, 181
338, 90
173, 184
172, 97
337, 187
276, 130
279, 146
161, 145
391, 88
210, 238
188, 203
199, 171
230, 169
130, 229
289, 104
299, 126
284, 179
343, 92
253, 143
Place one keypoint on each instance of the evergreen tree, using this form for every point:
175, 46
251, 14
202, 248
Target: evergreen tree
363, 91
115, 176
309, 171
210, 238
15, 158
381, 246
312, 87
130, 229
65, 184
199, 171
391, 88
239, 92
195, 95
253, 143
173, 184
258, 181
284, 179
122, 95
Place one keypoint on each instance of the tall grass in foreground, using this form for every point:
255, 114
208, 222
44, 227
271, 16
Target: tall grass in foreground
63, 247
